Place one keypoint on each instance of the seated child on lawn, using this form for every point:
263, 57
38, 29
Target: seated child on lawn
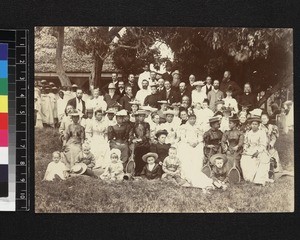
114, 170
219, 171
151, 170
56, 168
86, 157
172, 167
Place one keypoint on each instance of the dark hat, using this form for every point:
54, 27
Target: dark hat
254, 119
111, 110
219, 102
233, 118
161, 132
214, 119
218, 156
229, 88
150, 154
140, 112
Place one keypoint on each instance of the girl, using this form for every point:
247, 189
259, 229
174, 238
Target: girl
255, 161
114, 170
56, 168
219, 171
73, 138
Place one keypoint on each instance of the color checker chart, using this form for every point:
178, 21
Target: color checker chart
13, 120
3, 120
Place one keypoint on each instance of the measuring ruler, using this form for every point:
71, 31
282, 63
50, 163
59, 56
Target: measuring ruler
21, 81
17, 41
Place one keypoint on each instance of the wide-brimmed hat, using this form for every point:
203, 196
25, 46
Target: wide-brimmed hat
162, 102
43, 81
219, 102
74, 86
254, 119
233, 118
140, 112
218, 156
150, 154
54, 88
111, 86
256, 112
198, 83
169, 112
74, 113
214, 119
135, 102
148, 108
111, 110
121, 113
51, 83
79, 168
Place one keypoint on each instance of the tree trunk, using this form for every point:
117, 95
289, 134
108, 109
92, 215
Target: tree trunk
95, 79
64, 79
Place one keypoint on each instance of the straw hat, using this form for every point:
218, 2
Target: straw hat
214, 119
74, 86
122, 113
254, 119
198, 83
169, 112
43, 81
218, 156
79, 168
150, 154
219, 102
74, 113
111, 110
140, 112
256, 112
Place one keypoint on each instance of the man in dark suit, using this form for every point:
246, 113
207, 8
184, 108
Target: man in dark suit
167, 75
121, 88
128, 97
77, 102
183, 90
190, 86
247, 98
170, 94
114, 80
111, 97
133, 83
152, 99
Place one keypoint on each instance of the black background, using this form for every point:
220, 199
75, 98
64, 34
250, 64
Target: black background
27, 14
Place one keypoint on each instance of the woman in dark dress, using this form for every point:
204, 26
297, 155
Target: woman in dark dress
161, 147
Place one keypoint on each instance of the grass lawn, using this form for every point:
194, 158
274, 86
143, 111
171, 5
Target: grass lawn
83, 194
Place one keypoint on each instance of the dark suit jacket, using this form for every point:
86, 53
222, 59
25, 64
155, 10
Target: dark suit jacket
185, 93
73, 102
173, 97
111, 101
134, 87
167, 76
124, 101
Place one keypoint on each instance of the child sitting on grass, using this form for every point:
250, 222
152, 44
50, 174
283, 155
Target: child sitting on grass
219, 171
151, 170
172, 167
87, 158
114, 170
56, 169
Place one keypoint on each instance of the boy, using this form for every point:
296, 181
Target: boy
86, 157
219, 171
151, 170
172, 167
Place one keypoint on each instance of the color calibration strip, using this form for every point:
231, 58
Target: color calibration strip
3, 120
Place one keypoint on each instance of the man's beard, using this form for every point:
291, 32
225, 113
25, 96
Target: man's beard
145, 87
216, 87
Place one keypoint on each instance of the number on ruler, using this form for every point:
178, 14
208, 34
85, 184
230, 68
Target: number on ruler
22, 146
22, 180
22, 95
22, 196
22, 61
22, 112
22, 163
22, 78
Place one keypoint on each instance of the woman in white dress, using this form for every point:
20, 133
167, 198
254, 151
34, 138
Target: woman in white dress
154, 126
99, 143
197, 94
190, 153
255, 161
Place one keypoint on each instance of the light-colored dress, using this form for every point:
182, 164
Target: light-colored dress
53, 169
192, 157
172, 132
198, 97
98, 142
46, 110
255, 169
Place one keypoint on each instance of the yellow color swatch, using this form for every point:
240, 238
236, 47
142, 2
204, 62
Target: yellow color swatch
3, 104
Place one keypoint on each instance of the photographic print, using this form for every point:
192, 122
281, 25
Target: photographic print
163, 119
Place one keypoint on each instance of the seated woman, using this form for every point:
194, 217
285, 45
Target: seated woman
272, 134
255, 161
232, 143
73, 139
161, 147
154, 126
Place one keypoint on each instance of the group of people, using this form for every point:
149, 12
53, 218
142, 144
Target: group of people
169, 128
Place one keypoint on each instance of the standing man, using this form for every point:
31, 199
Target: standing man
167, 75
127, 98
247, 98
111, 98
77, 102
143, 92
214, 95
190, 86
134, 86
208, 86
144, 76
236, 90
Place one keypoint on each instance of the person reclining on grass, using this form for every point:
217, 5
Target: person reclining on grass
56, 169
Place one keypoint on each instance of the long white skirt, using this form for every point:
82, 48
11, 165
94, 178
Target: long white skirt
100, 149
191, 165
256, 170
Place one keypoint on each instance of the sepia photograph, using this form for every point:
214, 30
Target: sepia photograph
163, 119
